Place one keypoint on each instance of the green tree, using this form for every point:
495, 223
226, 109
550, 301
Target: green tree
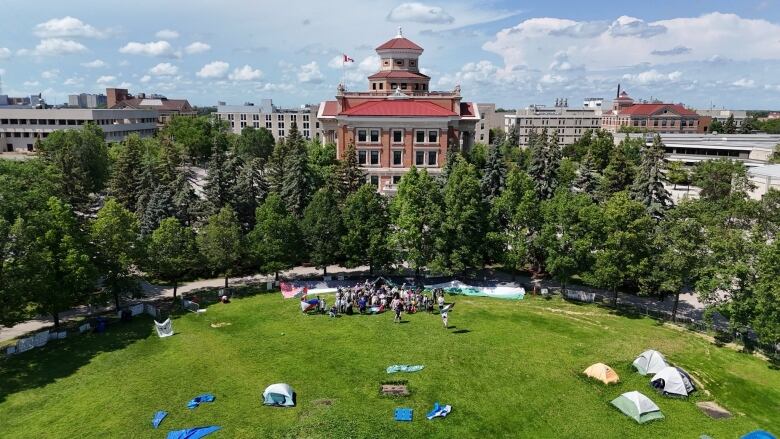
161, 205
172, 252
366, 225
716, 126
115, 235
220, 185
194, 133
349, 176
494, 175
730, 127
648, 187
14, 297
567, 174
718, 179
478, 155
297, 183
461, 234
255, 143
416, 215
322, 229
601, 147
766, 322
125, 179
774, 158
220, 242
249, 192
277, 166
276, 240
322, 162
81, 158
677, 174
618, 175
545, 158
587, 179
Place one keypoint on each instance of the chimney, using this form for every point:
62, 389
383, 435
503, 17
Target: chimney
618, 91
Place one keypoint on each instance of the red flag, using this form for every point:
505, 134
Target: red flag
348, 59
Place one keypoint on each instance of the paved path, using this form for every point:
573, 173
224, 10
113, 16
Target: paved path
689, 306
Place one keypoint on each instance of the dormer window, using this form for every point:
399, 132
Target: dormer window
399, 62
412, 62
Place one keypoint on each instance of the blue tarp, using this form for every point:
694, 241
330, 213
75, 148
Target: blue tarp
439, 411
758, 434
194, 402
193, 433
403, 414
158, 418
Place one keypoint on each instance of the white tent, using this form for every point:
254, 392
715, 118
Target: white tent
649, 361
673, 381
637, 406
280, 395
164, 329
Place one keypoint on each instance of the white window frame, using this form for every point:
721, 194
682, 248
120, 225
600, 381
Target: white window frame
416, 132
392, 157
428, 136
365, 135
392, 136
378, 135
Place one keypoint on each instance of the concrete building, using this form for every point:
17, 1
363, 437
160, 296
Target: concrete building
593, 103
276, 119
751, 149
721, 116
765, 177
32, 101
488, 120
568, 123
656, 117
86, 100
399, 122
21, 128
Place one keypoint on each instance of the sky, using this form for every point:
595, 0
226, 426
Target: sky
720, 54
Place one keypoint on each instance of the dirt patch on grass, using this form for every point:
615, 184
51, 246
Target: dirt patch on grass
713, 410
220, 324
322, 402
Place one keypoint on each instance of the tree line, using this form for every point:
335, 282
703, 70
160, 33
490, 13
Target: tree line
84, 222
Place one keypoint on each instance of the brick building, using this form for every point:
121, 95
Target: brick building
653, 117
399, 122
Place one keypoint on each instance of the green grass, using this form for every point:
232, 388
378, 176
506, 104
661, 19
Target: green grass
509, 369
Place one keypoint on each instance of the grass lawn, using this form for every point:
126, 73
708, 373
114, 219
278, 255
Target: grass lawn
509, 369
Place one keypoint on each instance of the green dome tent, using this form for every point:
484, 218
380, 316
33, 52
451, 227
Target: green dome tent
637, 407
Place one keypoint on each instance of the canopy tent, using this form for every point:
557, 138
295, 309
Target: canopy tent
673, 381
457, 287
638, 407
649, 361
280, 395
602, 372
299, 289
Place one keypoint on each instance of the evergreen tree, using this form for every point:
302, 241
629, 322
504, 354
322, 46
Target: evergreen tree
545, 160
147, 182
601, 147
618, 175
276, 240
587, 179
366, 225
322, 229
125, 180
255, 143
220, 185
494, 175
766, 322
449, 161
296, 186
461, 233
538, 166
716, 126
160, 206
185, 199
730, 127
648, 187
277, 166
220, 242
172, 252
349, 175
250, 191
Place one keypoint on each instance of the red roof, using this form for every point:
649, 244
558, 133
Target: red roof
331, 108
399, 43
651, 109
398, 74
400, 108
467, 109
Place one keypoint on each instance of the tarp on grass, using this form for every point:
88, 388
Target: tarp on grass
457, 287
193, 433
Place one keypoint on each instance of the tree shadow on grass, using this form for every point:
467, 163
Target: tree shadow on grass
61, 358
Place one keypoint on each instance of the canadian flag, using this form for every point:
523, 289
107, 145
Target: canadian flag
348, 59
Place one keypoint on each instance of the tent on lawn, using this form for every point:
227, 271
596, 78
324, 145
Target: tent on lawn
638, 407
758, 434
279, 395
164, 329
457, 287
602, 372
649, 361
673, 381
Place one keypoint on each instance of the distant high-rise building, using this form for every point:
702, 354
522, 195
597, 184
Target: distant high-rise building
85, 100
275, 119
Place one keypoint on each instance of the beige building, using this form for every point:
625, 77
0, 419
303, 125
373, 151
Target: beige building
765, 178
568, 123
21, 128
275, 119
488, 120
722, 116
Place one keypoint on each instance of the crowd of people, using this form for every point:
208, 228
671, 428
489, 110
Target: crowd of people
370, 298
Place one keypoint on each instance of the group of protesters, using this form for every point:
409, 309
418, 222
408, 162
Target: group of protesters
369, 298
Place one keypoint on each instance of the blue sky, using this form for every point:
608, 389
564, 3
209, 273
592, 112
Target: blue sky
514, 53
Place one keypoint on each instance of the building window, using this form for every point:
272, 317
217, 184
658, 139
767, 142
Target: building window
243, 124
403, 86
412, 62
398, 136
281, 133
230, 117
396, 179
269, 125
306, 133
381, 85
305, 117
362, 135
374, 136
419, 136
374, 180
280, 125
243, 116
293, 117
433, 136
393, 85
432, 155
362, 157
398, 158
232, 124
267, 117
280, 117
419, 158
374, 155
255, 117
306, 125
399, 62
373, 85
256, 124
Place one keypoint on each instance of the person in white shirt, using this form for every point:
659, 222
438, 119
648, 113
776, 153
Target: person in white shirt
444, 320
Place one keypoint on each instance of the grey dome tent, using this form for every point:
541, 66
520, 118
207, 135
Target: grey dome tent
673, 381
280, 395
649, 361
638, 407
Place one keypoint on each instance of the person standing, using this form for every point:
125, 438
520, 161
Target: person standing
444, 319
440, 301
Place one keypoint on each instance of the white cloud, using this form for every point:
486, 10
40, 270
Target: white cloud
633, 27
164, 69
245, 73
197, 47
67, 27
744, 82
420, 13
310, 73
74, 81
50, 74
96, 64
552, 78
216, 69
31, 83
5, 53
145, 78
653, 77
167, 34
155, 48
106, 79
55, 46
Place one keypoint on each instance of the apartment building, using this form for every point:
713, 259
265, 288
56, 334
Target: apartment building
275, 119
21, 128
567, 123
